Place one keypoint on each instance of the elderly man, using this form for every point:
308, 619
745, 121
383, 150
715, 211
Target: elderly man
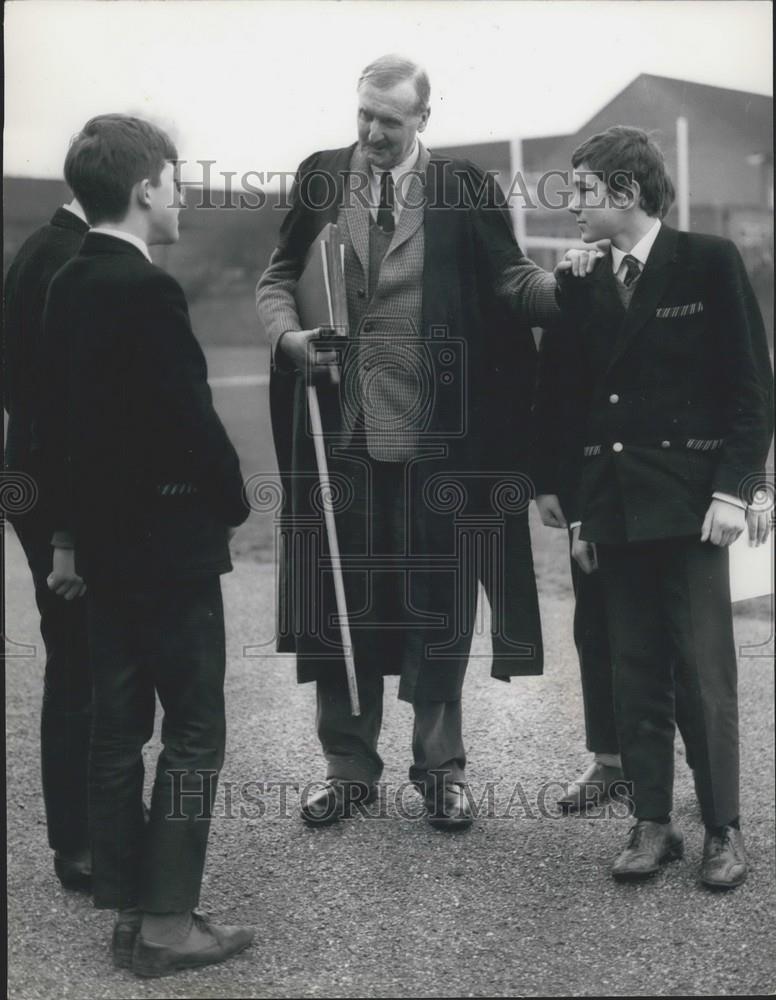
427, 432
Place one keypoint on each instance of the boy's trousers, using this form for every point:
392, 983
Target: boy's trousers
671, 633
66, 712
169, 641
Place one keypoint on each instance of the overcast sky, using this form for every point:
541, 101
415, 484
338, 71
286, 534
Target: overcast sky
256, 85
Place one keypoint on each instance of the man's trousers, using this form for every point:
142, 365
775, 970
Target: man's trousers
386, 639
671, 633
65, 721
167, 641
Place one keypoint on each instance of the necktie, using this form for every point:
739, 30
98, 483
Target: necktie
385, 211
632, 270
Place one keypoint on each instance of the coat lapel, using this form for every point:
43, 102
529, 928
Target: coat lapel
357, 211
649, 290
606, 299
414, 198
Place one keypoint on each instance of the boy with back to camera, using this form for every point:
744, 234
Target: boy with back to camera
672, 427
146, 484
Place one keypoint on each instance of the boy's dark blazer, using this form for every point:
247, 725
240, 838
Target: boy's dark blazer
26, 284
673, 398
145, 475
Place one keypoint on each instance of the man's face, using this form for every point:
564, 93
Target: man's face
600, 215
166, 201
388, 121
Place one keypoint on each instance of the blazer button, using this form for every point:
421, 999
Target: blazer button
617, 446
361, 293
665, 444
368, 327
614, 398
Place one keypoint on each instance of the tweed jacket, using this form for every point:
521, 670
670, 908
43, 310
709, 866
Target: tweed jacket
478, 295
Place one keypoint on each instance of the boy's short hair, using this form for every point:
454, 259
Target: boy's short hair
623, 152
108, 157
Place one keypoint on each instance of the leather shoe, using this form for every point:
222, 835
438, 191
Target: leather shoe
125, 931
449, 809
336, 800
74, 873
592, 788
724, 859
649, 846
206, 944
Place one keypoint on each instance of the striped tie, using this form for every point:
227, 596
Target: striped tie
632, 270
385, 218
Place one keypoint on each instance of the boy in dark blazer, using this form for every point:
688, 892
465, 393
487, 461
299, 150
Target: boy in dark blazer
146, 485
65, 719
670, 437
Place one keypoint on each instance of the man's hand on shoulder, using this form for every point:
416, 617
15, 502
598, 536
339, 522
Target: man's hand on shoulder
579, 263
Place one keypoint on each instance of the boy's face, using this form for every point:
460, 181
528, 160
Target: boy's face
165, 202
600, 214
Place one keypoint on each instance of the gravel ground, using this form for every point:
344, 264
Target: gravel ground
522, 904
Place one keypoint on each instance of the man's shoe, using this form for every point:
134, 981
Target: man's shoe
74, 872
125, 931
450, 809
206, 944
336, 800
724, 859
650, 845
592, 788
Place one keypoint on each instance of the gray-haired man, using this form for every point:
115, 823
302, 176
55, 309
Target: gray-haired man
427, 434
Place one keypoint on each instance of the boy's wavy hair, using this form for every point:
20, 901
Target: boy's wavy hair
108, 157
622, 153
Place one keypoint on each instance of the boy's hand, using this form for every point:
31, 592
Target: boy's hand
550, 510
321, 364
63, 579
723, 523
580, 263
758, 523
584, 553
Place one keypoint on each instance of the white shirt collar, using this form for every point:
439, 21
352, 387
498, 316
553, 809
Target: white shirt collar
121, 234
640, 251
75, 209
402, 168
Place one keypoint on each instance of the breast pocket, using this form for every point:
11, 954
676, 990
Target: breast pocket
679, 331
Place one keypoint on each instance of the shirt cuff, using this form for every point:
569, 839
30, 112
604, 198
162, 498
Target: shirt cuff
729, 498
575, 524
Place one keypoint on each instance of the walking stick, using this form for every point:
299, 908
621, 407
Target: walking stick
331, 532
321, 297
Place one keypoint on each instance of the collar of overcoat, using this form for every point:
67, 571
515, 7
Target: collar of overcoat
357, 212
